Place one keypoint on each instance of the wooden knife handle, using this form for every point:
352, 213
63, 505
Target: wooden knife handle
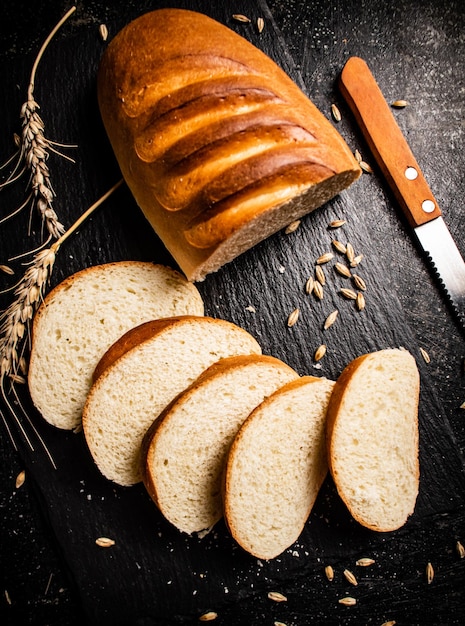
386, 141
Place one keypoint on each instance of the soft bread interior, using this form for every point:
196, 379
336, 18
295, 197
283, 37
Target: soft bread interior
276, 466
373, 438
187, 447
83, 316
134, 389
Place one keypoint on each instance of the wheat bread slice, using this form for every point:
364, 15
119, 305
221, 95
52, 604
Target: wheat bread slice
276, 466
185, 450
144, 371
372, 433
83, 316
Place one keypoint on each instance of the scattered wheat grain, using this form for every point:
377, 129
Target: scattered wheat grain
309, 285
208, 617
318, 290
359, 282
241, 18
20, 478
337, 223
336, 113
348, 601
330, 319
460, 549
342, 269
350, 577
320, 352
320, 275
292, 227
276, 596
366, 167
399, 104
339, 246
325, 258
329, 572
105, 542
293, 317
425, 355
103, 30
429, 573
348, 293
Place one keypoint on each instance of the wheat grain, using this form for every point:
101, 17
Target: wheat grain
429, 573
329, 321
293, 317
350, 577
336, 113
276, 596
241, 18
209, 616
20, 478
105, 542
460, 549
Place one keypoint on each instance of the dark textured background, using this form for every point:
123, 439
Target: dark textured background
51, 571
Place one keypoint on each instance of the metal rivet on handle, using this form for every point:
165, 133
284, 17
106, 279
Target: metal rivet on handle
428, 206
411, 173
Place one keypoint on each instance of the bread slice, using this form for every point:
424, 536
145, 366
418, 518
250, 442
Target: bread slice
276, 466
144, 371
84, 315
186, 449
373, 438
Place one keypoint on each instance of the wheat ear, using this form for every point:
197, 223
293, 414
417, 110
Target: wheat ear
33, 152
15, 320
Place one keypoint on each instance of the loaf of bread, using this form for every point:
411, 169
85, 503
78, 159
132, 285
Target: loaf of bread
276, 466
141, 374
217, 144
184, 453
373, 438
83, 316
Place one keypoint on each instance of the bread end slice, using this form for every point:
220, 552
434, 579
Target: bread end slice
372, 437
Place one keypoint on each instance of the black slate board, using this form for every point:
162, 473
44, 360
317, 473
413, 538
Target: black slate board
153, 575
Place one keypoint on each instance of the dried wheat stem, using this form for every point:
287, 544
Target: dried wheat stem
44, 46
33, 152
56, 245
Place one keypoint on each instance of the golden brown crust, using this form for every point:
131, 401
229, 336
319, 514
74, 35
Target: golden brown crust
177, 90
134, 337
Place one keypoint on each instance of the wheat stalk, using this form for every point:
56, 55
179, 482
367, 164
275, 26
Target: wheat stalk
15, 320
33, 152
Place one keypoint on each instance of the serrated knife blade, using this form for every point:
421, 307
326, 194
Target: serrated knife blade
403, 174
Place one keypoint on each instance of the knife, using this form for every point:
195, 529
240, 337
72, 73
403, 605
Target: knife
403, 174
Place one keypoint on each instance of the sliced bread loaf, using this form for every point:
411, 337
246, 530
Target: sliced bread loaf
144, 371
83, 316
276, 466
185, 451
373, 438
